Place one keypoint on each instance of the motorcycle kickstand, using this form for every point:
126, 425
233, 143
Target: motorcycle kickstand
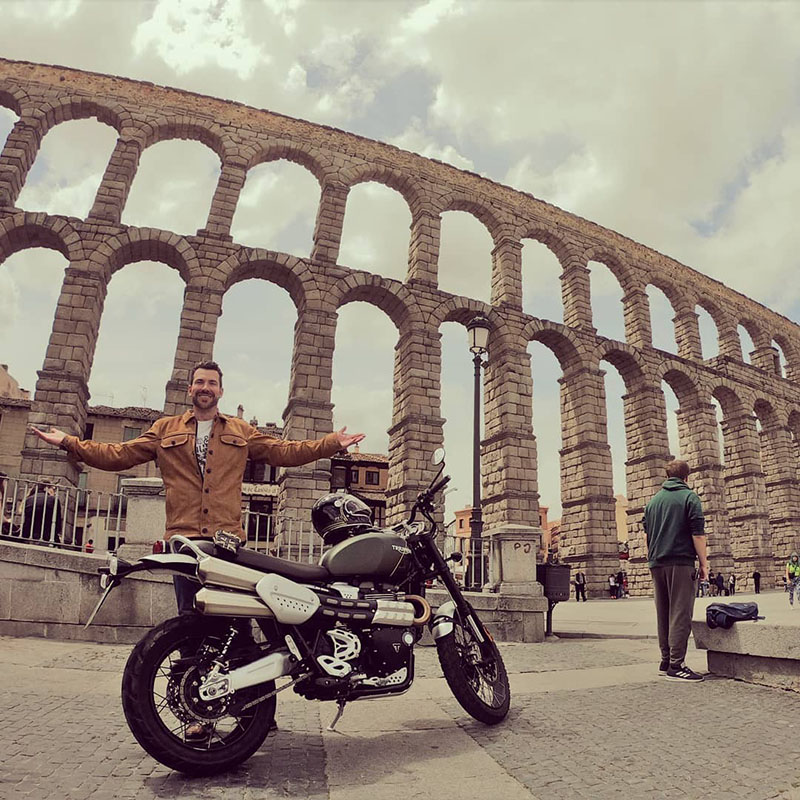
340, 711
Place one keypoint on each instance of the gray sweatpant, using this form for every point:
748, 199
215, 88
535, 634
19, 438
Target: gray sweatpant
674, 591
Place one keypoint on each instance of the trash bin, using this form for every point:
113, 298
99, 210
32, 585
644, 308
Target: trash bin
556, 584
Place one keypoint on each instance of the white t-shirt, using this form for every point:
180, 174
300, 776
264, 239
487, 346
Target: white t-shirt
201, 444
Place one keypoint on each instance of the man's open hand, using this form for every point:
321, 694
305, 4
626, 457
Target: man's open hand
347, 439
52, 436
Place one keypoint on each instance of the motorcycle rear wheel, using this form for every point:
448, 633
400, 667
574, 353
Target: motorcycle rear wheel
479, 684
160, 701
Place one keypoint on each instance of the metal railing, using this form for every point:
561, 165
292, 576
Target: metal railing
282, 536
473, 577
68, 517
48, 514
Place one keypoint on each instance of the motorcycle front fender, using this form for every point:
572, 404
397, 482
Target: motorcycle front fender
442, 622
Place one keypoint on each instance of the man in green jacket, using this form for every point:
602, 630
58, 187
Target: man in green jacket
674, 524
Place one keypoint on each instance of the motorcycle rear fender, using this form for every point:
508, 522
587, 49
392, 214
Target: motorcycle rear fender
442, 622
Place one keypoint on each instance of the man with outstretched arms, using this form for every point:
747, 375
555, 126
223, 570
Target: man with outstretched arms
202, 456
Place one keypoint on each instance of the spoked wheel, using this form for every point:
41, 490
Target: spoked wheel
165, 712
478, 681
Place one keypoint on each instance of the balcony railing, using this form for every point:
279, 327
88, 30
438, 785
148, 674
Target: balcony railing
38, 512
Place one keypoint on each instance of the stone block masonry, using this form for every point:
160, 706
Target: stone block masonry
753, 498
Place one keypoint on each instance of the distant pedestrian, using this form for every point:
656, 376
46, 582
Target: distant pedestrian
620, 584
89, 547
580, 586
732, 584
720, 584
42, 518
675, 528
705, 588
793, 577
612, 586
757, 581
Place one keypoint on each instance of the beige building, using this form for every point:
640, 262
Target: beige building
366, 476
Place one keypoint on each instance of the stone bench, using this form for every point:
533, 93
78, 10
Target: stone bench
763, 652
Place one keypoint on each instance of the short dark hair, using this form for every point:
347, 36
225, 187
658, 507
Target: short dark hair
205, 365
678, 469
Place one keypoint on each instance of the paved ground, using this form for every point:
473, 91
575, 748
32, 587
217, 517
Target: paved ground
590, 719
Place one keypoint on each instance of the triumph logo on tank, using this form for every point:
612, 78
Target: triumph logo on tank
404, 550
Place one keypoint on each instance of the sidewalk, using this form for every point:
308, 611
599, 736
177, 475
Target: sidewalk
635, 617
590, 718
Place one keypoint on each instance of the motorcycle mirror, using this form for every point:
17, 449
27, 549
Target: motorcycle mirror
438, 456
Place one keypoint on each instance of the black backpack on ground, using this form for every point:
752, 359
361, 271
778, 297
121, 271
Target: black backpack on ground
723, 615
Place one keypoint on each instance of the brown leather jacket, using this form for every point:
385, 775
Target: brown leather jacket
198, 505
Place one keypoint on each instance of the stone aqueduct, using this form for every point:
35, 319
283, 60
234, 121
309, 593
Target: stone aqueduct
752, 502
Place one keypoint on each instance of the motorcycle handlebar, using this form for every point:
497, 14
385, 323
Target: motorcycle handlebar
439, 486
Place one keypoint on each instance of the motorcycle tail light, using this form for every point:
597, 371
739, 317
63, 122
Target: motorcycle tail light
158, 547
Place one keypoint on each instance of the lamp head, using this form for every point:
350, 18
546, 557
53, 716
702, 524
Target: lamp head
478, 334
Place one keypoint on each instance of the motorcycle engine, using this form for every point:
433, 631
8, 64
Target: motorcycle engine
387, 650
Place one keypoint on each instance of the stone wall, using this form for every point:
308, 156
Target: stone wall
49, 592
753, 502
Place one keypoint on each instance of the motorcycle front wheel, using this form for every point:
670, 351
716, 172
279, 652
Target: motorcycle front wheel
165, 712
478, 682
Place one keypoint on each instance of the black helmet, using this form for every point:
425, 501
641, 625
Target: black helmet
338, 516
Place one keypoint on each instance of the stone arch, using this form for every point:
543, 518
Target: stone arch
765, 412
14, 99
565, 252
459, 309
478, 209
403, 183
49, 114
282, 150
626, 360
146, 244
288, 272
39, 230
754, 329
682, 384
191, 128
729, 399
390, 296
561, 342
677, 297
615, 263
790, 353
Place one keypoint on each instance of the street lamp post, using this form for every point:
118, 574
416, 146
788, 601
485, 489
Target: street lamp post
478, 336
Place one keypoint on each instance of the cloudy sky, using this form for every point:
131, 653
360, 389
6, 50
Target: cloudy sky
674, 123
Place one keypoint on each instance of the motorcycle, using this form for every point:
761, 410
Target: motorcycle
199, 690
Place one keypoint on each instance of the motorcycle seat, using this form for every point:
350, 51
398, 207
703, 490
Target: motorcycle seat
295, 570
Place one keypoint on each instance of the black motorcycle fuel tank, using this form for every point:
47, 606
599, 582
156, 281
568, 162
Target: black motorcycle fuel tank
380, 554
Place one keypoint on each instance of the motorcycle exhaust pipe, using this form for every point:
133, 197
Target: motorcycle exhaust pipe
422, 608
229, 604
224, 573
412, 610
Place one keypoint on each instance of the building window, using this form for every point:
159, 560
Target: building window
461, 523
378, 516
372, 478
259, 522
353, 476
88, 431
130, 433
338, 478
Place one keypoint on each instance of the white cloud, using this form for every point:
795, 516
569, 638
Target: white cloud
416, 139
188, 34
